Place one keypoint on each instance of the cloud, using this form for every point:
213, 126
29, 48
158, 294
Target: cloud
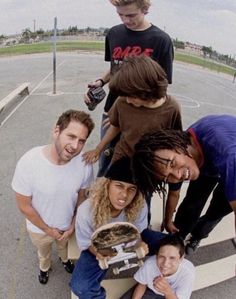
206, 22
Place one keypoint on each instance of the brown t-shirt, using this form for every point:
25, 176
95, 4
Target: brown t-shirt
137, 121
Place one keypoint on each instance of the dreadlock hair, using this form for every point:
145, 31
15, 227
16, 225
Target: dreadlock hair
143, 161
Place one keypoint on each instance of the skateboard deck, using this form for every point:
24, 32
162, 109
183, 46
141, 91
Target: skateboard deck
118, 242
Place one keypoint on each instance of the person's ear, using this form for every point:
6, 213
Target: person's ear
56, 131
145, 10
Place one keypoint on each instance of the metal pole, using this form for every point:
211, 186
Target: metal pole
54, 55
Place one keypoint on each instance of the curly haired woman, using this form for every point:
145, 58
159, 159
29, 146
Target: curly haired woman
113, 198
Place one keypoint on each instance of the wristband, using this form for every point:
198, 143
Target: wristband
103, 83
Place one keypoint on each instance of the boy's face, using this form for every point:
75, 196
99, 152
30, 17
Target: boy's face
168, 260
121, 195
131, 16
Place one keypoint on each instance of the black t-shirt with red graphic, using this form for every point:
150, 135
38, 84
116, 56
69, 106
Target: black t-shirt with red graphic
121, 41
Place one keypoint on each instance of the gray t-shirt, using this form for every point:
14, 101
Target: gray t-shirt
84, 224
181, 281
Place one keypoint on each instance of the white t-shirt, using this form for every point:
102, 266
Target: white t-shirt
181, 282
54, 188
84, 223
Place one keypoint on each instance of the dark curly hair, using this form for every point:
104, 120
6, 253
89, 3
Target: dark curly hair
143, 161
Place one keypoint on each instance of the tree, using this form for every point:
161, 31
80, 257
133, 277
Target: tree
178, 44
207, 51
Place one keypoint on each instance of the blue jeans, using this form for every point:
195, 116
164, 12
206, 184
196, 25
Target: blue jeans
105, 158
87, 276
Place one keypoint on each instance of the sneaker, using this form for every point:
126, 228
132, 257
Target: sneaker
43, 276
69, 266
192, 246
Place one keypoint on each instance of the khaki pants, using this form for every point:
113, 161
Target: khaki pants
44, 245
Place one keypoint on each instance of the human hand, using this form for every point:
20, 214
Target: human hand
144, 247
65, 235
91, 156
53, 232
92, 84
161, 284
170, 227
100, 257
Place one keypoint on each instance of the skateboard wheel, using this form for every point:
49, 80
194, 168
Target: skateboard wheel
116, 271
103, 264
140, 252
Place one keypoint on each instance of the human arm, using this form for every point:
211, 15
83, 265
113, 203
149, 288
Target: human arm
24, 204
93, 155
161, 284
139, 291
171, 204
67, 233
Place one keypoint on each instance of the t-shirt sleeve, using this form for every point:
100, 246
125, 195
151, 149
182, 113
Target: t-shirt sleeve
83, 225
141, 275
114, 114
107, 48
88, 176
177, 119
21, 182
167, 58
141, 223
185, 288
229, 177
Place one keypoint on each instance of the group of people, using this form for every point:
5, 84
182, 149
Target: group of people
151, 153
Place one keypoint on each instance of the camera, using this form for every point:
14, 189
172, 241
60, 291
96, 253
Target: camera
96, 95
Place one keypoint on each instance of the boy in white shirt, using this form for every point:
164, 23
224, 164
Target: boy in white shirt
165, 275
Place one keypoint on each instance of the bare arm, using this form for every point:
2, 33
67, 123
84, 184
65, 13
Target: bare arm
139, 291
25, 206
93, 155
171, 204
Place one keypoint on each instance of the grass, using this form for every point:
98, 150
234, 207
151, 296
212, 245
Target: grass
48, 47
206, 63
43, 47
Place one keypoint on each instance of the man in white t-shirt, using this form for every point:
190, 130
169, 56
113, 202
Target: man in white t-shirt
50, 182
164, 275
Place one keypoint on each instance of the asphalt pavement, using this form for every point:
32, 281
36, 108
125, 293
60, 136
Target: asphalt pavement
199, 91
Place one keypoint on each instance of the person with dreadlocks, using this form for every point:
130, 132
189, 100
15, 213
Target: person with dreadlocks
113, 198
205, 155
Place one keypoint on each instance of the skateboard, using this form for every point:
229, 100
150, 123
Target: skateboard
118, 242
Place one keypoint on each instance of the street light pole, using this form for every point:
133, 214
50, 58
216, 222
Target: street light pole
54, 55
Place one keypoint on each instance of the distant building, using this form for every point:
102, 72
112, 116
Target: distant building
194, 48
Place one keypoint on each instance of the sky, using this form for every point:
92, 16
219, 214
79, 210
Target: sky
204, 22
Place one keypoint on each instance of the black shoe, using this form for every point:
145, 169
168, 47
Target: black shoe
192, 246
43, 276
69, 266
